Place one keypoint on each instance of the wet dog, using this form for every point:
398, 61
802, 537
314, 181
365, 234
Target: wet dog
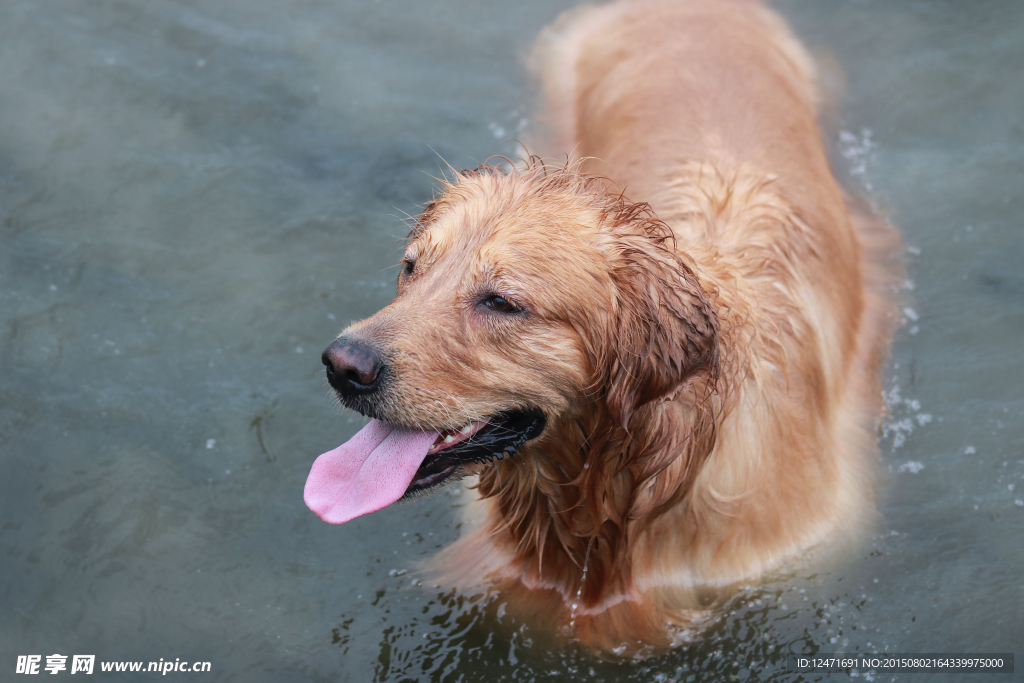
660, 359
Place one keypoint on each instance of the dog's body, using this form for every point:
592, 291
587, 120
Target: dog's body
703, 387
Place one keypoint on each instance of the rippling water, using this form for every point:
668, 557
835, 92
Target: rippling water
195, 198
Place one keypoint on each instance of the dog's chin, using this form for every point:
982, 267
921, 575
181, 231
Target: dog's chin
480, 443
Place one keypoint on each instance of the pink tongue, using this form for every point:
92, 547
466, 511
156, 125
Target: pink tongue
370, 471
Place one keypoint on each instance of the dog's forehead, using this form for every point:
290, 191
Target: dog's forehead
481, 221
518, 243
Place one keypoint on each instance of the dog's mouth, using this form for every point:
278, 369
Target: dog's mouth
477, 442
385, 462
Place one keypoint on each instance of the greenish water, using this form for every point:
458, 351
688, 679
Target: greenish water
195, 198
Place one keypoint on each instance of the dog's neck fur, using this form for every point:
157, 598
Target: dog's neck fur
568, 515
559, 513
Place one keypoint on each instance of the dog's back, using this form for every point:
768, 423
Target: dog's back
636, 87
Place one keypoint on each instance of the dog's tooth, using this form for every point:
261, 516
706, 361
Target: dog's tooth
467, 429
449, 438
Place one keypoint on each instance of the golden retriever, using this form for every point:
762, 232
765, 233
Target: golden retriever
663, 395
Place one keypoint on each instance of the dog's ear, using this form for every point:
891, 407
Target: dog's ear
663, 329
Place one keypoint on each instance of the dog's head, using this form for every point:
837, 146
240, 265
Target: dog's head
524, 298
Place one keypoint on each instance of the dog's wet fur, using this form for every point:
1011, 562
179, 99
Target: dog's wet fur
689, 302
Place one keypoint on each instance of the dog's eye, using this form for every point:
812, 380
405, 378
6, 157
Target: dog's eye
410, 265
501, 304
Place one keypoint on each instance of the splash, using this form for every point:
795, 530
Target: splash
579, 591
860, 151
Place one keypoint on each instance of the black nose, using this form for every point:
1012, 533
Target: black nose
351, 368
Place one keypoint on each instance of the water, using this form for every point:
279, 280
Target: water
583, 580
195, 198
